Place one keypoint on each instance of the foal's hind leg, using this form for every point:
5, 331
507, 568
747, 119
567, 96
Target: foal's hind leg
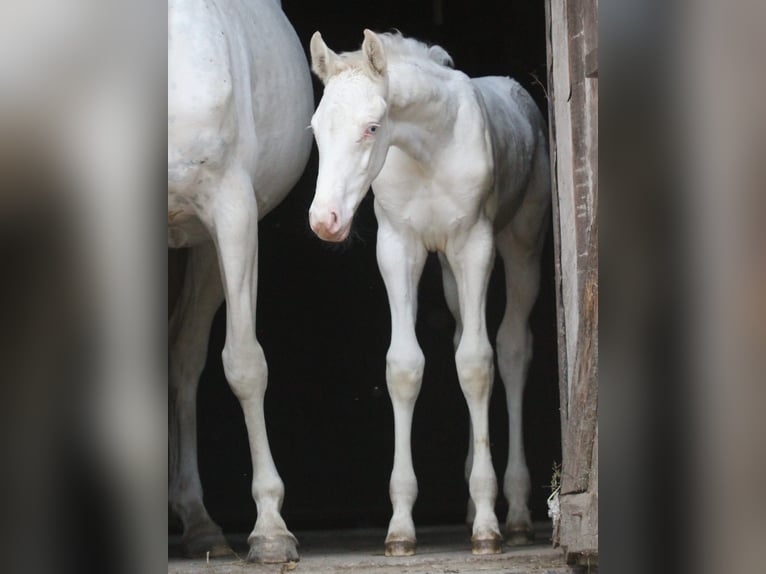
514, 352
189, 329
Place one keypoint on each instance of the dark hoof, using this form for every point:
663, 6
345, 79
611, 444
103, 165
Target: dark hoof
493, 545
203, 544
274, 550
400, 548
523, 536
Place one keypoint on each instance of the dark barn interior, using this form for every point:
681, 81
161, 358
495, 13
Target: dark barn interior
323, 321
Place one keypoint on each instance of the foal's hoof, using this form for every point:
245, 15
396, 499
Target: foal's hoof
206, 543
491, 545
400, 548
273, 550
519, 536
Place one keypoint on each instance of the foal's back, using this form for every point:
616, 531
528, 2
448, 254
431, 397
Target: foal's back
517, 132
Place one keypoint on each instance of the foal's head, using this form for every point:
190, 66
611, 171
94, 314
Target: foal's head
350, 127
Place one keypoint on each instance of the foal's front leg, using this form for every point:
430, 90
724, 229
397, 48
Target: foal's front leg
471, 258
236, 236
401, 261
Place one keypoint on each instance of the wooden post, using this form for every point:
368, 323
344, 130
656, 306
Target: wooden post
572, 35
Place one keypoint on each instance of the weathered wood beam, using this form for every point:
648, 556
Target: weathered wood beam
572, 28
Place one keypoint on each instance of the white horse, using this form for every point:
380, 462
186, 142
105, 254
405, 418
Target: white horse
457, 166
239, 100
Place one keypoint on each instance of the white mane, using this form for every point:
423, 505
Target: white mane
400, 48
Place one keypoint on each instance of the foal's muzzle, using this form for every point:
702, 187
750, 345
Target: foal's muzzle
327, 224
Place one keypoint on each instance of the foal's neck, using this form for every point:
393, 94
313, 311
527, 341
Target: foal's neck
422, 108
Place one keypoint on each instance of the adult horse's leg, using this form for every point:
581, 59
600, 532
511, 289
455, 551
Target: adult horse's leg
189, 330
235, 225
471, 259
401, 264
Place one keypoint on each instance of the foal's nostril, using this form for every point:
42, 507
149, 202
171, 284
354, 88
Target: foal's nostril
324, 223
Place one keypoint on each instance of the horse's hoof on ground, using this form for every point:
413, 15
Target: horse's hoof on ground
520, 536
273, 550
211, 544
400, 548
492, 545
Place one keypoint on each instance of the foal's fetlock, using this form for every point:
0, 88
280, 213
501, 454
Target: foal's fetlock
401, 540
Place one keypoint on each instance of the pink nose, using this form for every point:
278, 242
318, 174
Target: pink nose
327, 225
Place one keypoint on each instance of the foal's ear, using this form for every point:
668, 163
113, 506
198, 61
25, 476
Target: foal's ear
324, 62
374, 55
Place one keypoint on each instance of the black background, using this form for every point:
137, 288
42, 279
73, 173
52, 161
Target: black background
324, 324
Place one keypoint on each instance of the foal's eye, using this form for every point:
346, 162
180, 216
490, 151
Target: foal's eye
371, 129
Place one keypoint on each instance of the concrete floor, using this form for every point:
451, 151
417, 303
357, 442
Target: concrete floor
441, 550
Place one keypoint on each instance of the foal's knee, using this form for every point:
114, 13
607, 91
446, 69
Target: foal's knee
475, 369
404, 373
245, 368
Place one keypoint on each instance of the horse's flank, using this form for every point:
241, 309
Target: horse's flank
220, 115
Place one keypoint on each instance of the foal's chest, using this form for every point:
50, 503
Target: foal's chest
431, 212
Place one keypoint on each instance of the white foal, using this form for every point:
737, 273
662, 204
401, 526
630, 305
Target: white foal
457, 166
239, 100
